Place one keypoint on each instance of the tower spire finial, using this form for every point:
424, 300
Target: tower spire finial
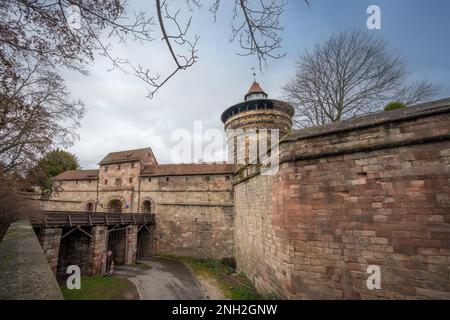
254, 74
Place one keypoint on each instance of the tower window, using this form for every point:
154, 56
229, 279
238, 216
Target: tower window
131, 179
106, 168
106, 181
118, 166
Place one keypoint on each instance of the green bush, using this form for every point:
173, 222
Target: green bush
394, 105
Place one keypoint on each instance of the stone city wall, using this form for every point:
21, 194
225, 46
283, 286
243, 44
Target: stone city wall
373, 190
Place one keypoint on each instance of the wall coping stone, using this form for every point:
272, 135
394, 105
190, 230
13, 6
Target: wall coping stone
24, 271
372, 120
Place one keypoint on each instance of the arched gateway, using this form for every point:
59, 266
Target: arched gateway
115, 206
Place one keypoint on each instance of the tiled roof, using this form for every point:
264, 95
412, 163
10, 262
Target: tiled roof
255, 88
187, 169
77, 175
125, 156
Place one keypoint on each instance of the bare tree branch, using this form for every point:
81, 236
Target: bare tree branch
349, 75
36, 114
26, 25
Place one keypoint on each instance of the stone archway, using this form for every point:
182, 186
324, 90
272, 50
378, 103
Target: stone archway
115, 206
147, 206
90, 206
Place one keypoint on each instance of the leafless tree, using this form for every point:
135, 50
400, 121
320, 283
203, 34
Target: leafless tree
45, 29
14, 203
350, 74
36, 113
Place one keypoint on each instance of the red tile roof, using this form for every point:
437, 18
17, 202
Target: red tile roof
187, 169
77, 175
255, 88
125, 156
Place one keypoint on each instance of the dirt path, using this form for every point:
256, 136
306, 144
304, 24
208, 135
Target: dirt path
211, 286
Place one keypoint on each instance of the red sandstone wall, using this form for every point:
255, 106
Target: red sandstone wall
260, 246
371, 192
389, 208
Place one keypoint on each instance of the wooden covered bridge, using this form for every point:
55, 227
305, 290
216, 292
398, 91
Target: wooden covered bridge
93, 240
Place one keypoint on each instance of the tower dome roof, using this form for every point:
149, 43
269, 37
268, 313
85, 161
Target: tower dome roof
256, 91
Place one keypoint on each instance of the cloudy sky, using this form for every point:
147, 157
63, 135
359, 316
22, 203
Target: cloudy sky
120, 117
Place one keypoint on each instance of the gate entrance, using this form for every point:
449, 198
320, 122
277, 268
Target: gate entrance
74, 249
117, 244
115, 206
145, 242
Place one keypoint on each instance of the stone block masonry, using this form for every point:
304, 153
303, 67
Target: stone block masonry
194, 214
98, 250
50, 241
131, 244
369, 191
195, 230
257, 241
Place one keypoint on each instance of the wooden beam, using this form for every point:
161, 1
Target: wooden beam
67, 233
85, 232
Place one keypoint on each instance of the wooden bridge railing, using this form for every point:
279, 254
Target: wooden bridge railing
69, 219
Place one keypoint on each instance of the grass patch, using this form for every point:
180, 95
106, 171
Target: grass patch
102, 288
234, 286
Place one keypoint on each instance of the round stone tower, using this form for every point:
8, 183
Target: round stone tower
253, 126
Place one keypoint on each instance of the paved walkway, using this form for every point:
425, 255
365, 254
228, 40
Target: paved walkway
166, 279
